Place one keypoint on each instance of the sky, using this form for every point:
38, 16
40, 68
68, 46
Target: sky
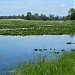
19, 7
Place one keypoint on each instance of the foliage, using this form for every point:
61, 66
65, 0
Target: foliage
72, 14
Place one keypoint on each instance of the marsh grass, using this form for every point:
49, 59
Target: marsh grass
63, 65
15, 27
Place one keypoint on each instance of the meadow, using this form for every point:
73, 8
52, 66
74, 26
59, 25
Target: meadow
24, 27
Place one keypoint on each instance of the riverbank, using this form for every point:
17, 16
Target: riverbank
63, 65
19, 27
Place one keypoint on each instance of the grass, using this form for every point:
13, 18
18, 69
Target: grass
63, 65
19, 27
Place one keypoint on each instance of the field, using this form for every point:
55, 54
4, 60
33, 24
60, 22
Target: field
24, 27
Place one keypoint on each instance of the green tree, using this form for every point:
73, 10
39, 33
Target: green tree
36, 16
29, 16
51, 17
71, 14
23, 17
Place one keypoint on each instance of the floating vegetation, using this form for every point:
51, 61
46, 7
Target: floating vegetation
45, 49
35, 49
69, 43
72, 50
52, 52
57, 52
62, 50
73, 43
40, 49
54, 49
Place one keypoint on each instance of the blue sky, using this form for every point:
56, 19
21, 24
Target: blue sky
18, 7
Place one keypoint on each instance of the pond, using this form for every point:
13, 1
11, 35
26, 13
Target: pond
14, 49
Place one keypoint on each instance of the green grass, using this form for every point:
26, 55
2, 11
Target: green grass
36, 27
63, 65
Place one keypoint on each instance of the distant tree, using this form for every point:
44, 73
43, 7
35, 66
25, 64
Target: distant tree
14, 17
22, 16
43, 17
29, 16
71, 14
18, 16
36, 16
51, 17
56, 18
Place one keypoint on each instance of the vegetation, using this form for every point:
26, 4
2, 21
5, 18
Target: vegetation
71, 14
63, 65
17, 27
70, 43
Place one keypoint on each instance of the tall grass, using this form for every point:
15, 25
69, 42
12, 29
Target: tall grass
63, 65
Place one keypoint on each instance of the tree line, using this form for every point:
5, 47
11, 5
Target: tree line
29, 16
36, 16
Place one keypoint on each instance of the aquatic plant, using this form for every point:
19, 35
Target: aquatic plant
72, 50
69, 43
62, 50
52, 52
63, 65
45, 49
9, 27
40, 49
35, 49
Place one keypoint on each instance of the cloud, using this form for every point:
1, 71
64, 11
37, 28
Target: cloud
11, 7
62, 5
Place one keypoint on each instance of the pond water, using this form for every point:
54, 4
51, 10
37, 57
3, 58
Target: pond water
14, 49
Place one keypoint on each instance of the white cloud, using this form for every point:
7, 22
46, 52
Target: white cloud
62, 5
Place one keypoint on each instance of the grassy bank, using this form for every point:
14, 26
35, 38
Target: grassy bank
22, 27
63, 65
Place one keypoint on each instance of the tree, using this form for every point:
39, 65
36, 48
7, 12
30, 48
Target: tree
29, 16
36, 16
23, 17
56, 18
71, 14
51, 17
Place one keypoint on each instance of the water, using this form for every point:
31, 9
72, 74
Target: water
14, 49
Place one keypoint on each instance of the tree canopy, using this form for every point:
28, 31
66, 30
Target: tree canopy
71, 14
